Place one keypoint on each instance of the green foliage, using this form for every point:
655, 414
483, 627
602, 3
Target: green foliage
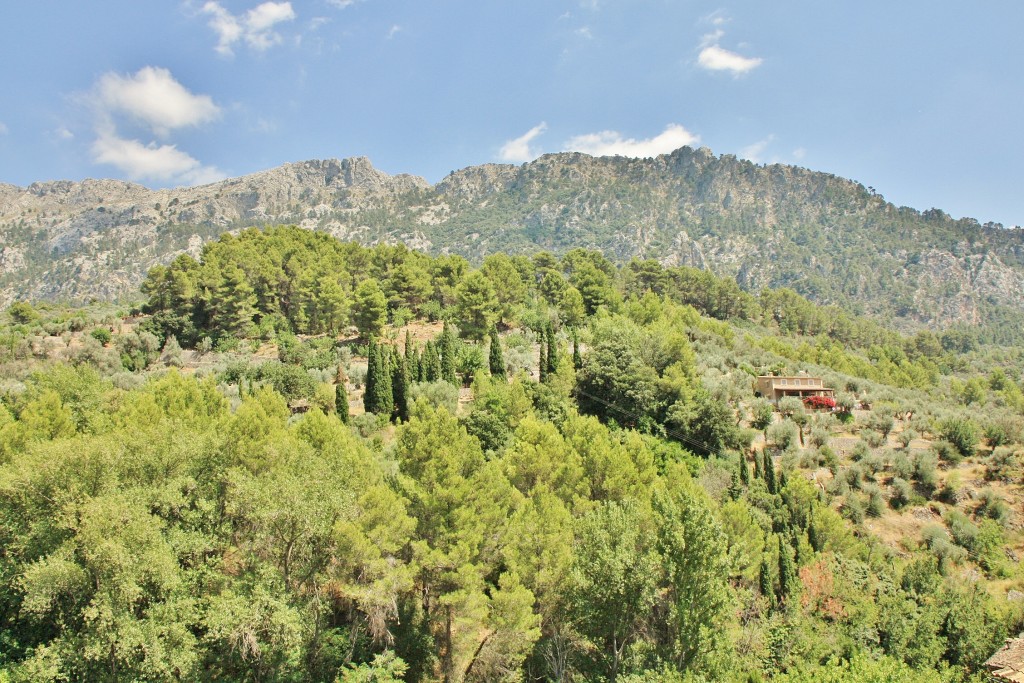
963, 433
102, 335
341, 402
495, 357
369, 309
477, 307
600, 525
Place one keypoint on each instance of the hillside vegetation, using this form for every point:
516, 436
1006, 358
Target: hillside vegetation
830, 239
308, 460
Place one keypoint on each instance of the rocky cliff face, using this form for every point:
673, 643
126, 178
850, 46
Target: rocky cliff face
830, 238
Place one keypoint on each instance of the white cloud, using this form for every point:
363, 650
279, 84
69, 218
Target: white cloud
611, 143
341, 4
163, 163
584, 32
718, 58
711, 38
755, 151
799, 153
4, 130
394, 30
63, 133
255, 26
154, 98
519, 150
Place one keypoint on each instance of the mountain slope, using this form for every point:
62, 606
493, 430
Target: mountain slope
829, 238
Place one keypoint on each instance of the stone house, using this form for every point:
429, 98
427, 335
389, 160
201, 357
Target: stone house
801, 386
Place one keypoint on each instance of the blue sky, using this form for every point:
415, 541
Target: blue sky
920, 100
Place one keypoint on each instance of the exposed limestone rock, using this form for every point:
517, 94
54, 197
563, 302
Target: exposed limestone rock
829, 238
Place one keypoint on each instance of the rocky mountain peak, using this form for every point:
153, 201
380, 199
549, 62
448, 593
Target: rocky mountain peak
827, 237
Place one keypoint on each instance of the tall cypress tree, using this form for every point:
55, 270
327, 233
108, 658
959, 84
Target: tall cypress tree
495, 358
431, 363
448, 355
813, 536
372, 377
769, 474
577, 359
787, 571
410, 355
744, 471
549, 333
542, 366
385, 398
400, 390
341, 402
765, 581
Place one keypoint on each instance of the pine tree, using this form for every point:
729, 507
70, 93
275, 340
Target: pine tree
496, 359
552, 349
577, 359
341, 402
400, 390
448, 355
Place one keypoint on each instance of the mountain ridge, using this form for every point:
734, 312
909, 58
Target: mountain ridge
830, 238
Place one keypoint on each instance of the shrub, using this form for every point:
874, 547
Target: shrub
439, 394
401, 316
872, 465
853, 476
860, 451
962, 432
938, 542
881, 420
963, 530
1003, 431
902, 466
820, 403
367, 423
902, 493
829, 458
905, 437
1004, 465
872, 438
925, 471
947, 452
818, 437
783, 435
951, 491
102, 335
876, 503
853, 509
993, 506
762, 415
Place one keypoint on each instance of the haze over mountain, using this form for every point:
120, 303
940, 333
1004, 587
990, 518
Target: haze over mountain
829, 238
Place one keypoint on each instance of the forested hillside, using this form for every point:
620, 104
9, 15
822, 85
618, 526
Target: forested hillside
832, 240
308, 460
